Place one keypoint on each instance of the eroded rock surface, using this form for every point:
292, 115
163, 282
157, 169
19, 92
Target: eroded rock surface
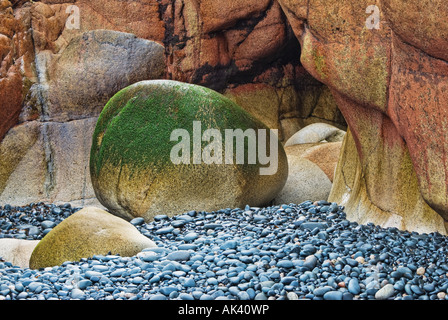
390, 84
243, 49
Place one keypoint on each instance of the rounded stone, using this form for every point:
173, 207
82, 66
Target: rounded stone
47, 224
83, 284
285, 264
77, 294
153, 152
180, 255
310, 262
17, 251
88, 232
316, 132
333, 295
385, 292
191, 236
148, 256
353, 286
306, 180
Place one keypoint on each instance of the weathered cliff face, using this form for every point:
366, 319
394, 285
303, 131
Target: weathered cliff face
56, 82
16, 53
391, 86
58, 70
246, 50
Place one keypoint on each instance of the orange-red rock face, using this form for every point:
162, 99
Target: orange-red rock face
219, 44
418, 106
391, 85
16, 51
55, 77
55, 80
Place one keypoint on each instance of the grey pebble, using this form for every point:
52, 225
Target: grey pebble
353, 286
180, 255
320, 291
385, 292
191, 236
310, 262
165, 230
48, 224
83, 284
77, 294
333, 295
137, 221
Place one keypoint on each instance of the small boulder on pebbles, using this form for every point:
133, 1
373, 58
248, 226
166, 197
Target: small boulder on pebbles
316, 132
90, 231
17, 251
306, 180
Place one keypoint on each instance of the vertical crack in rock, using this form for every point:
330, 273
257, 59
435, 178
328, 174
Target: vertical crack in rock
41, 60
49, 182
86, 173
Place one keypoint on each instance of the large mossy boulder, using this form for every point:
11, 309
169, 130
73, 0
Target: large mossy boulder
88, 232
153, 153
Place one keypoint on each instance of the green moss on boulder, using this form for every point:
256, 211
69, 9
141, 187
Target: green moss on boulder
131, 168
88, 232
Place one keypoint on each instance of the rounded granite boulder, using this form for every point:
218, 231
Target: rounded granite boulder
316, 132
167, 147
88, 232
307, 179
17, 251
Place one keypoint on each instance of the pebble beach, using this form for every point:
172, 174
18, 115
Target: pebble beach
307, 251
